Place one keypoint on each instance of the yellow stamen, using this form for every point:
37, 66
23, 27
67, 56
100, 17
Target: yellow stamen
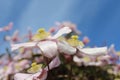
42, 34
61, 38
22, 49
73, 41
75, 37
41, 30
118, 53
17, 67
5, 68
86, 59
34, 68
33, 64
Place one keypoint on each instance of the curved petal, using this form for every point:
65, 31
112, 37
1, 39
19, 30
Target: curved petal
28, 44
21, 76
54, 63
66, 48
77, 59
99, 63
49, 48
94, 51
64, 30
42, 75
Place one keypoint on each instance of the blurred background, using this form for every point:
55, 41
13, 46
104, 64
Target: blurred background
97, 19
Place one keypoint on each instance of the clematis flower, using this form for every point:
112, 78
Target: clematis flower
14, 38
69, 46
46, 48
75, 44
29, 35
7, 28
41, 74
86, 40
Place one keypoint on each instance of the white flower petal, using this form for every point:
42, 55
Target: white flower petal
99, 63
49, 48
28, 44
64, 30
66, 48
77, 59
112, 50
94, 51
22, 76
10, 69
54, 63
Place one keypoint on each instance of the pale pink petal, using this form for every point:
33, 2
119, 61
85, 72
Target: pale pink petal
42, 75
1, 29
18, 57
10, 25
6, 28
22, 76
54, 63
99, 63
77, 60
28, 44
64, 47
105, 57
86, 40
49, 48
94, 51
64, 30
10, 69
24, 63
113, 52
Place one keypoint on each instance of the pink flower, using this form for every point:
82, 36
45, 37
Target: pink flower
7, 28
48, 47
86, 40
13, 38
41, 75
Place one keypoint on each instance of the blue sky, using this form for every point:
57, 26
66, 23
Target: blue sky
98, 19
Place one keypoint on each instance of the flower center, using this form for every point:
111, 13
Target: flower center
73, 41
41, 34
41, 30
34, 68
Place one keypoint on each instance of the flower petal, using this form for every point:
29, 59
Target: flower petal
49, 48
54, 63
64, 47
42, 75
99, 63
94, 51
77, 59
28, 44
64, 30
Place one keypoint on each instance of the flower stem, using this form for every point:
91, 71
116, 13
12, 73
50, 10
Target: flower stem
70, 74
